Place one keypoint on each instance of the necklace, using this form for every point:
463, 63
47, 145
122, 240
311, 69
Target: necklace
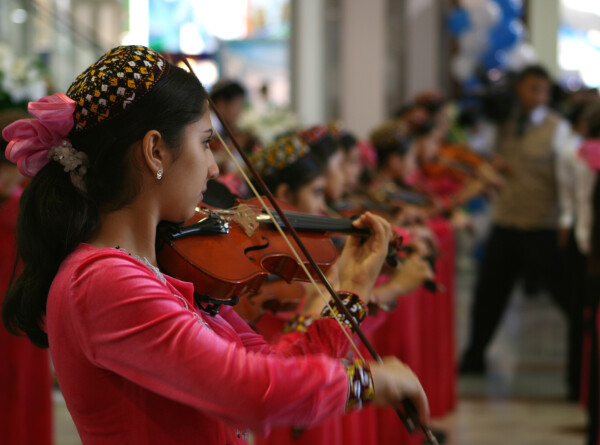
161, 277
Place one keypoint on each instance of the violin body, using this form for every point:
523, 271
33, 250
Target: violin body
229, 253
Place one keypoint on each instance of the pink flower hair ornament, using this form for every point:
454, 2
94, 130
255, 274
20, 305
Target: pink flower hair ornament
31, 140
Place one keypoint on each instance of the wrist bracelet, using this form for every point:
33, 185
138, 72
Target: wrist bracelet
298, 323
361, 389
355, 306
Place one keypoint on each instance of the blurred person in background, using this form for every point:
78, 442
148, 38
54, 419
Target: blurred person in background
229, 98
25, 379
523, 243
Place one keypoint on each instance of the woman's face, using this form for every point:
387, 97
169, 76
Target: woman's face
442, 123
427, 147
310, 198
335, 182
404, 166
184, 179
352, 169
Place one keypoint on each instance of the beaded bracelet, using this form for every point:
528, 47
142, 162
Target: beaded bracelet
360, 385
355, 306
298, 323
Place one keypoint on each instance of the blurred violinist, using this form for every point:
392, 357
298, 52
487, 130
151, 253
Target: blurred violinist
25, 379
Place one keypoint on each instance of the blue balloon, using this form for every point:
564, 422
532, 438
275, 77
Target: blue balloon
511, 8
494, 58
505, 35
459, 21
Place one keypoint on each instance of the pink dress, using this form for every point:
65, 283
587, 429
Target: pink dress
138, 363
25, 380
359, 427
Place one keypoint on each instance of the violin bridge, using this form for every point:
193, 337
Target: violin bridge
246, 219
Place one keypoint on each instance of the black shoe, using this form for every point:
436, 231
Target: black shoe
471, 366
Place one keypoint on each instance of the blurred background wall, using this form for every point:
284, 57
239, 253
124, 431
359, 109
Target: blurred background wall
324, 59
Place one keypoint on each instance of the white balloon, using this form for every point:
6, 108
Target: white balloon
474, 42
521, 56
463, 66
483, 14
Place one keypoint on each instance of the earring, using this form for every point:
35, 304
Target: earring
159, 175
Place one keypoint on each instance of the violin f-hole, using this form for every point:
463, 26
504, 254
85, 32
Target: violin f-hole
259, 247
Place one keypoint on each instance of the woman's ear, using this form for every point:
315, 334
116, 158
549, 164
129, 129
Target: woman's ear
154, 153
283, 193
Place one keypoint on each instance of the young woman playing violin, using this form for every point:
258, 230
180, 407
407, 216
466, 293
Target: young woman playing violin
137, 360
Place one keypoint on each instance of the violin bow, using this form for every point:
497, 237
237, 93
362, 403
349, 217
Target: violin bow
409, 414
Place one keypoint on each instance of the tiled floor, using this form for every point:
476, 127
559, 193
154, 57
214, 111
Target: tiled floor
521, 400
475, 422
513, 422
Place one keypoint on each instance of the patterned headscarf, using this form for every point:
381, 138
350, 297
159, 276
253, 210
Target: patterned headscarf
119, 78
281, 153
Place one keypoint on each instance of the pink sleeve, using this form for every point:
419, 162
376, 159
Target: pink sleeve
131, 324
323, 336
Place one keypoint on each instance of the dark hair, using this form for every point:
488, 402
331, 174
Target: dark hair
323, 144
591, 115
227, 90
296, 175
576, 112
419, 120
324, 148
389, 139
347, 141
218, 195
433, 101
534, 71
55, 216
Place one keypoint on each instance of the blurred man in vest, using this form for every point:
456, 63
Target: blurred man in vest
523, 241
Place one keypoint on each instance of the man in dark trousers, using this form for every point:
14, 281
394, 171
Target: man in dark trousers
523, 243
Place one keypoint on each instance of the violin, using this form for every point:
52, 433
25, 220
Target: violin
346, 208
460, 164
251, 248
441, 169
462, 155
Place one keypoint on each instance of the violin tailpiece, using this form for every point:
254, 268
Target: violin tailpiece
246, 219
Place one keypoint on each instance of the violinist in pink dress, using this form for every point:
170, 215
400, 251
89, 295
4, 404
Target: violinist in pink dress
137, 359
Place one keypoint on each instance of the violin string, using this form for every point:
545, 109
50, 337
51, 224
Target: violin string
286, 239
326, 223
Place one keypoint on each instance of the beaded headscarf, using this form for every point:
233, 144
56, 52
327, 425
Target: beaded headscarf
281, 153
118, 79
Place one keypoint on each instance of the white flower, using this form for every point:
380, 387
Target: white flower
72, 160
